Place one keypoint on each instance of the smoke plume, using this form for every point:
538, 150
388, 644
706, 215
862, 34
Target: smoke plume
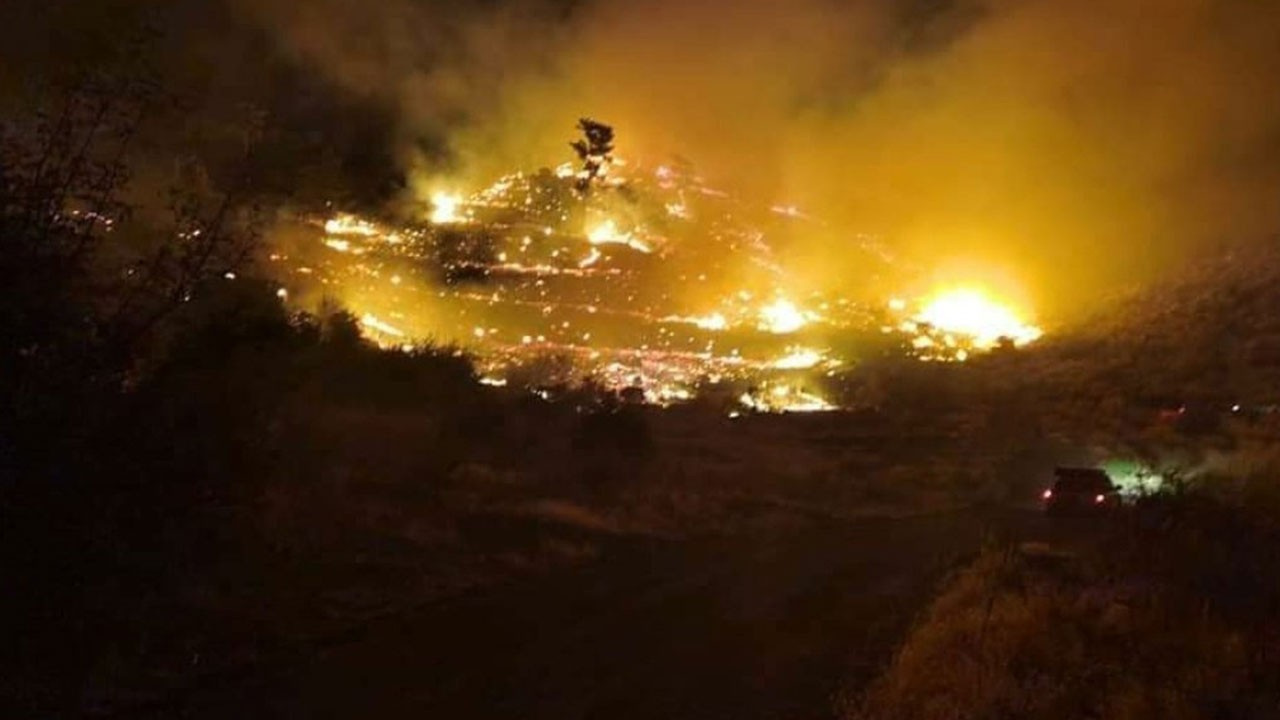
1052, 148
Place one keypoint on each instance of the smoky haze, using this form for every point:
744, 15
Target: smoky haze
1053, 149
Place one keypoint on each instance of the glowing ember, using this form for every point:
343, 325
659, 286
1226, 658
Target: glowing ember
350, 225
444, 208
606, 233
782, 317
789, 211
978, 317
785, 399
798, 358
371, 322
714, 321
342, 246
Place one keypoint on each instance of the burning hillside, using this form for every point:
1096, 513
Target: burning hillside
634, 274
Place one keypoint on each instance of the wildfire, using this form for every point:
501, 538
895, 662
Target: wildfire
785, 399
978, 317
606, 233
798, 358
537, 282
371, 322
350, 225
444, 208
782, 317
342, 246
714, 321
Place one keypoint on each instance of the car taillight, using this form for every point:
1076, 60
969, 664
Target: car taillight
1099, 499
1046, 494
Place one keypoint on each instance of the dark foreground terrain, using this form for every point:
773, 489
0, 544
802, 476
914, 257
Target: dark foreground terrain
766, 626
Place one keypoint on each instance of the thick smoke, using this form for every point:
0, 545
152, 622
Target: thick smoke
441, 66
1052, 147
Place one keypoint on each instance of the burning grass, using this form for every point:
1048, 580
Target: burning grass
646, 275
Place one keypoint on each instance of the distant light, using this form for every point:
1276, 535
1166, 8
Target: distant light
1046, 494
282, 294
1131, 478
1099, 499
229, 275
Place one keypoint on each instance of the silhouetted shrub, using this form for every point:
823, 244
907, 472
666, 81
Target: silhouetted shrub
1172, 617
612, 443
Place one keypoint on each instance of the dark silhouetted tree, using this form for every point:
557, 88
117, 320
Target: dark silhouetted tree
595, 152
